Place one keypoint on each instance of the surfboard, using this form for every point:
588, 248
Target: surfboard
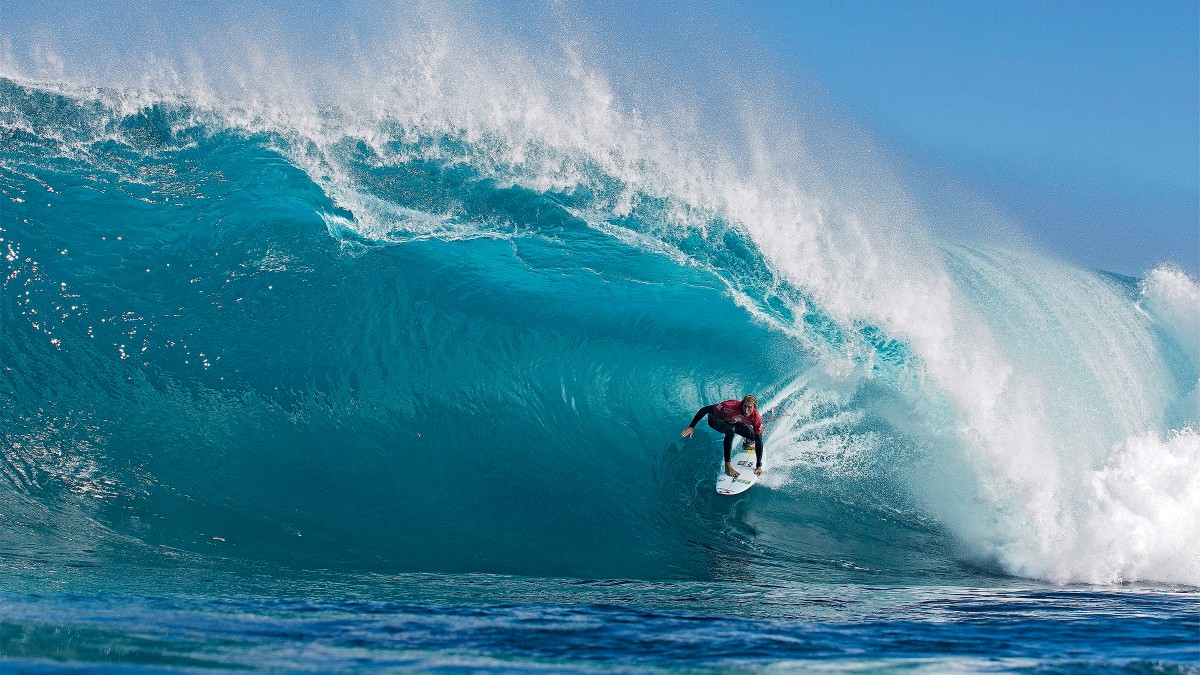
743, 462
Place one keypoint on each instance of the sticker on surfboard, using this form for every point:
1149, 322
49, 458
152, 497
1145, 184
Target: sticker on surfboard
743, 463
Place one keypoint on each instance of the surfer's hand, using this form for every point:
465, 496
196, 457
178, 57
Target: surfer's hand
758, 470
729, 470
687, 432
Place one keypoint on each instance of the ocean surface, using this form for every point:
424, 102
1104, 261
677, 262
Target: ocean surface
310, 374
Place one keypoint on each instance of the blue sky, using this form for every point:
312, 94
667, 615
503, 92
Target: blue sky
1076, 119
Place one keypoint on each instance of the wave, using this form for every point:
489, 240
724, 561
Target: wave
445, 318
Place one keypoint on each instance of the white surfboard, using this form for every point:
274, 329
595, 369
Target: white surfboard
743, 463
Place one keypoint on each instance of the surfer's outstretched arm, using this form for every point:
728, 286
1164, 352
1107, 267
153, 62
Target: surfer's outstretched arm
696, 420
758, 444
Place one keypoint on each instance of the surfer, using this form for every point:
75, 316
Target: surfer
734, 417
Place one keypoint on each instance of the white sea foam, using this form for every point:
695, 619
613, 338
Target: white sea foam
1173, 299
1132, 519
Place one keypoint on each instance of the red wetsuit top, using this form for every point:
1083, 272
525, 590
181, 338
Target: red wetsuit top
732, 421
731, 411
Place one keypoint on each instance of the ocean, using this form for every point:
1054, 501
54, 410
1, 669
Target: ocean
389, 369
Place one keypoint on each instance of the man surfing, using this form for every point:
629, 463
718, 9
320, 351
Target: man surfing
734, 417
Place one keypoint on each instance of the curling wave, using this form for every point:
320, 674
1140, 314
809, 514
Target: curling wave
436, 325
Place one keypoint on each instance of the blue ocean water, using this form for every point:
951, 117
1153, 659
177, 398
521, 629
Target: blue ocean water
338, 386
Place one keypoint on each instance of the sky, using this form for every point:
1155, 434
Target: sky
1076, 120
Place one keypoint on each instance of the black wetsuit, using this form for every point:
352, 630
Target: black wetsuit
743, 430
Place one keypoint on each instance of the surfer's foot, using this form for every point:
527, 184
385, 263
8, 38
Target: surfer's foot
729, 471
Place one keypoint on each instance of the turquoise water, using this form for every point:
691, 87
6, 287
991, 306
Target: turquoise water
348, 390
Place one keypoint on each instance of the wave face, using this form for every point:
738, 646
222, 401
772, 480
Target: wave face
448, 322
